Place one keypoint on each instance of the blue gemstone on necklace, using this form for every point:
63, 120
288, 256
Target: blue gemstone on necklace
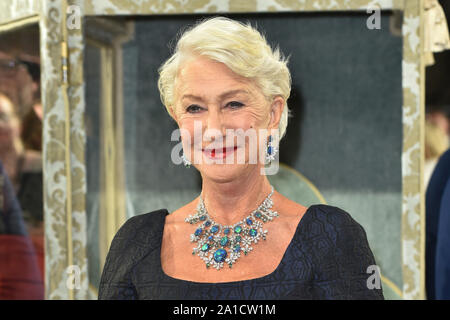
253, 232
207, 223
249, 221
238, 239
220, 255
238, 229
224, 241
269, 150
214, 229
202, 218
205, 247
237, 248
258, 214
210, 237
226, 231
198, 231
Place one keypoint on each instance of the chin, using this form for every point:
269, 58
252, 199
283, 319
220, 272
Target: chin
222, 172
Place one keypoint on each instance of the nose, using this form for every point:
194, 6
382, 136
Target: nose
214, 124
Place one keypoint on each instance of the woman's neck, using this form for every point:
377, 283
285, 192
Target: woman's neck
230, 202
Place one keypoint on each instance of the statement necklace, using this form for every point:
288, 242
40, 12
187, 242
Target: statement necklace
217, 244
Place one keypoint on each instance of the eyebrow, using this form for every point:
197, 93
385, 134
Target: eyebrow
224, 95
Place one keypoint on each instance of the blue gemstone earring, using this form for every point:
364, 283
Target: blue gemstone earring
271, 150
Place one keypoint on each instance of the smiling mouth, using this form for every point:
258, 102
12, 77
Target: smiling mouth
219, 153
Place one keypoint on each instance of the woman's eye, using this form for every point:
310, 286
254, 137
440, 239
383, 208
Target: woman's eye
193, 108
235, 104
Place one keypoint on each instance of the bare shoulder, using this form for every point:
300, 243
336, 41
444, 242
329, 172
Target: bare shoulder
180, 214
287, 207
290, 213
174, 238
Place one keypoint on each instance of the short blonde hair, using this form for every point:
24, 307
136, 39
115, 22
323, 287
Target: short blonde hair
241, 48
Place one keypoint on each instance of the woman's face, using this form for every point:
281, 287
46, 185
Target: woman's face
220, 114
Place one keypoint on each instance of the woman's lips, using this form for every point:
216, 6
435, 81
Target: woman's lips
219, 153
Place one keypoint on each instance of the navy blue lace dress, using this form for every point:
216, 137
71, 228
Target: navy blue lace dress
327, 258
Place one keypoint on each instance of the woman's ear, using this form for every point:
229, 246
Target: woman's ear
276, 110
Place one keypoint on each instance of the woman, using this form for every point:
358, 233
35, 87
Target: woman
24, 169
240, 239
20, 276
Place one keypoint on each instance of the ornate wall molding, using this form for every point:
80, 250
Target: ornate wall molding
63, 153
107, 7
16, 10
413, 204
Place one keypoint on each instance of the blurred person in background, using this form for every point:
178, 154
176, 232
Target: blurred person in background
21, 253
21, 136
436, 143
32, 120
20, 82
442, 260
19, 272
437, 116
434, 197
24, 169
17, 82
